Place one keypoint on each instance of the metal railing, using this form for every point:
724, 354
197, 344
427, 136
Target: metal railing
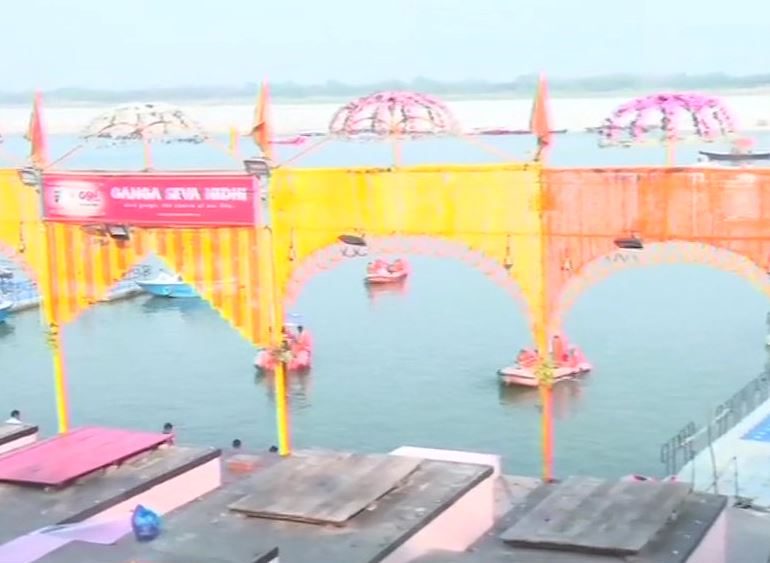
682, 448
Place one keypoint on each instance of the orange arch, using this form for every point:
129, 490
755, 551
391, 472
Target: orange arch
332, 255
655, 254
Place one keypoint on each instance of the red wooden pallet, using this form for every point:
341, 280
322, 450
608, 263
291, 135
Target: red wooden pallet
69, 456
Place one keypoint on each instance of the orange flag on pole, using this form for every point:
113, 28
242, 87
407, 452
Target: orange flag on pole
36, 135
261, 131
539, 121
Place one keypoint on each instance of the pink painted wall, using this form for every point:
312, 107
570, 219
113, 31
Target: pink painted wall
713, 547
460, 525
169, 495
476, 458
18, 443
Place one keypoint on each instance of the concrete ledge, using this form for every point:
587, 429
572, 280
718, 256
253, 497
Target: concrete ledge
458, 456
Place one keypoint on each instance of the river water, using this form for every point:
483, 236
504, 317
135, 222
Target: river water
412, 368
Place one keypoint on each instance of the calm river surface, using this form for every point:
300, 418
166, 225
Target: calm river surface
668, 342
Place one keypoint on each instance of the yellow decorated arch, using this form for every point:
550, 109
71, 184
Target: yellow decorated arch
493, 210
21, 234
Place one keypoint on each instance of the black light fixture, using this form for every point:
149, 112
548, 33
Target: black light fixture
118, 232
629, 243
352, 240
257, 166
30, 176
353, 245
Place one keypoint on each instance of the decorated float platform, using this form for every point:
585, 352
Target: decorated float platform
14, 436
84, 485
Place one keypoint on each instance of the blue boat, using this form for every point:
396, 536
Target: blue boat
167, 285
6, 306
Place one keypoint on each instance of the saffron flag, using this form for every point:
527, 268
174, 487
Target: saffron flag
36, 135
539, 121
260, 130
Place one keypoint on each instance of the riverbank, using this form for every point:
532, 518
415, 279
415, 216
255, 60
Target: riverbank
751, 110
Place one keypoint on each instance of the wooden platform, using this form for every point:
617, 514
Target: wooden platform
697, 514
62, 459
598, 516
207, 530
324, 489
12, 432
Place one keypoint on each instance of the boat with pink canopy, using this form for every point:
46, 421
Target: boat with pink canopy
381, 272
296, 352
569, 364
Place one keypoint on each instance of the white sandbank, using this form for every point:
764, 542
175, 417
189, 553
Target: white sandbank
752, 111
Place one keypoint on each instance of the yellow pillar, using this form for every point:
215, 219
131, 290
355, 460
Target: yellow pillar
541, 312
60, 378
276, 339
50, 313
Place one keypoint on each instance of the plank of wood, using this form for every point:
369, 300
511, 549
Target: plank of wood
323, 489
591, 515
67, 457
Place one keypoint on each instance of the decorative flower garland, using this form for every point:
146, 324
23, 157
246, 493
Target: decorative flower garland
146, 123
393, 114
631, 122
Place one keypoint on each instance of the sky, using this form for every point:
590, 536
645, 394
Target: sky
116, 44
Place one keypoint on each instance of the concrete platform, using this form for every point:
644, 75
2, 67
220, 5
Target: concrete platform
162, 479
14, 436
431, 505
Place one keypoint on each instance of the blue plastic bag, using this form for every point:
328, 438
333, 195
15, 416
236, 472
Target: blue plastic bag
145, 523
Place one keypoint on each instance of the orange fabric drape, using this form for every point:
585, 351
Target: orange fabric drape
540, 120
36, 134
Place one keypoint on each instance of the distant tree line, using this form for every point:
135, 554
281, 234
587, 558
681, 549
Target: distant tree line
523, 86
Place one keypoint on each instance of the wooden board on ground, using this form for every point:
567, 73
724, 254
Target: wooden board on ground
323, 488
598, 516
67, 457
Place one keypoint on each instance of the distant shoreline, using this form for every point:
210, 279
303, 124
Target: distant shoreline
317, 100
522, 87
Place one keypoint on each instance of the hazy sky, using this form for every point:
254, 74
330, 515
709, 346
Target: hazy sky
140, 43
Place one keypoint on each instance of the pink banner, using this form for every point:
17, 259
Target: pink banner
152, 198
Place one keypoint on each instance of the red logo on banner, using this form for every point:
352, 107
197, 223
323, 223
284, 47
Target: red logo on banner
171, 199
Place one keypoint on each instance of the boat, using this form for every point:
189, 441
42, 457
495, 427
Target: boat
570, 364
735, 156
266, 361
526, 377
167, 285
298, 357
6, 306
380, 272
